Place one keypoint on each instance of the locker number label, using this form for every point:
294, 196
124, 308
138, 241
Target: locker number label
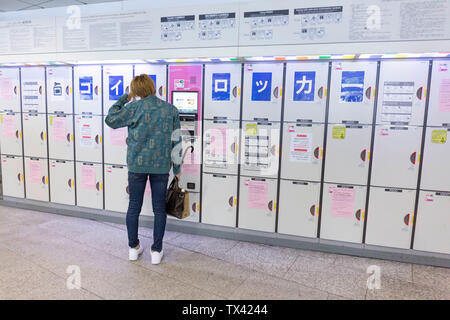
221, 87
261, 86
86, 88
115, 87
304, 84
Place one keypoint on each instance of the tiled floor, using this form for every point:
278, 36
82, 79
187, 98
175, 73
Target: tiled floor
37, 248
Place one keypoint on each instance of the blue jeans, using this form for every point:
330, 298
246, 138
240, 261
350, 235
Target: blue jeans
136, 187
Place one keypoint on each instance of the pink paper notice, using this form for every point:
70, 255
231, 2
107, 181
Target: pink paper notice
8, 127
35, 171
191, 164
342, 202
118, 136
444, 96
59, 129
218, 141
257, 194
6, 89
88, 177
148, 190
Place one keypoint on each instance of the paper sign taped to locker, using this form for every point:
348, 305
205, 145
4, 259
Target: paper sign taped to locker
6, 89
444, 96
251, 129
342, 202
258, 192
439, 136
338, 132
218, 141
8, 127
86, 137
59, 129
35, 171
88, 177
118, 136
300, 147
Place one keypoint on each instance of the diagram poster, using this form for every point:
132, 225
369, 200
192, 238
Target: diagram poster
352, 86
301, 147
257, 194
444, 96
304, 85
342, 202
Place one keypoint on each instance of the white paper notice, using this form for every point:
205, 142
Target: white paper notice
444, 96
257, 194
342, 202
35, 171
301, 147
86, 135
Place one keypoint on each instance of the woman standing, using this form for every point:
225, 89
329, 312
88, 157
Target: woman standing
152, 124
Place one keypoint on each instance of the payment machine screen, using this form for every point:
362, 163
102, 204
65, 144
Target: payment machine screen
185, 101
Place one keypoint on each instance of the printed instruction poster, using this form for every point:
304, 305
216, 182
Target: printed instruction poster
258, 193
397, 101
8, 126
88, 177
35, 171
6, 89
444, 95
300, 149
342, 202
59, 128
86, 134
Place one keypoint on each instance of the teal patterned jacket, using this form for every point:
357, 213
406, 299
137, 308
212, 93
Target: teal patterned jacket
150, 123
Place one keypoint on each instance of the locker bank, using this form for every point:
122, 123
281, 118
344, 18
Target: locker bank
333, 151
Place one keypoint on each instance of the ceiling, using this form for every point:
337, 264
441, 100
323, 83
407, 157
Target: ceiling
18, 5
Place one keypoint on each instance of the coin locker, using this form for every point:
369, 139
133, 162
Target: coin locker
116, 82
352, 92
220, 146
35, 134
260, 149
62, 182
299, 208
396, 156
11, 133
306, 91
157, 72
116, 188
257, 204
402, 92
343, 212
89, 184
219, 199
88, 138
347, 154
10, 88
302, 151
263, 83
390, 216
115, 145
12, 176
433, 222
60, 136
59, 90
222, 91
33, 89
36, 178
439, 104
88, 90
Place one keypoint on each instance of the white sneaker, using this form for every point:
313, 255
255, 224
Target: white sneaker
133, 254
156, 257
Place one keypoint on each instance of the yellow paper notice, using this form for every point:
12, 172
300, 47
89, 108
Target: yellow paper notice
439, 136
251, 129
338, 132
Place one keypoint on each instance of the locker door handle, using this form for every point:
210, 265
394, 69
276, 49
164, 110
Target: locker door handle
69, 182
235, 91
419, 93
320, 92
160, 90
67, 90
42, 135
233, 147
40, 90
358, 215
97, 139
18, 176
363, 155
97, 186
194, 207
126, 140
68, 137
312, 210
17, 134
127, 190
43, 179
96, 90
270, 205
412, 157
368, 92
230, 201
273, 149
275, 92
317, 152
406, 219
15, 90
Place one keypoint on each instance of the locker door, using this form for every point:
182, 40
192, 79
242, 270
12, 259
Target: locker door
299, 208
343, 212
36, 179
436, 158
116, 188
11, 133
12, 176
88, 138
89, 185
59, 89
62, 182
302, 151
306, 91
222, 91
60, 136
115, 145
347, 154
33, 89
220, 146
219, 199
257, 204
190, 177
116, 82
158, 74
352, 92
10, 84
260, 147
402, 94
395, 156
194, 205
439, 107
88, 89
433, 222
263, 84
35, 135
390, 216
